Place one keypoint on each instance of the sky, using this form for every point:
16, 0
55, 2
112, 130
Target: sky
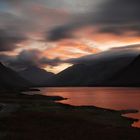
48, 33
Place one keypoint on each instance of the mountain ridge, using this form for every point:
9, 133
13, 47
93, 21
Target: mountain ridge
9, 79
92, 73
36, 75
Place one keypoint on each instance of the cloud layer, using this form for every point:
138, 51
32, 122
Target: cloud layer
47, 32
27, 58
9, 40
115, 17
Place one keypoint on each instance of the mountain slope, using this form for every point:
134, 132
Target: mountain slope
95, 72
128, 76
10, 79
36, 75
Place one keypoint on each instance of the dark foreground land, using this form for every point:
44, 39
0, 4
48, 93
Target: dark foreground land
36, 117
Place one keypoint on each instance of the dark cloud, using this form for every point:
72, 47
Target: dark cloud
114, 16
66, 30
133, 30
51, 62
59, 33
23, 59
120, 11
9, 39
119, 16
30, 17
28, 58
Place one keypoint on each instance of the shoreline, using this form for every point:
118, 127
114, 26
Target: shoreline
54, 99
45, 114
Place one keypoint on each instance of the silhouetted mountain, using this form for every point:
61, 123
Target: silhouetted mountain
128, 76
92, 72
10, 79
36, 75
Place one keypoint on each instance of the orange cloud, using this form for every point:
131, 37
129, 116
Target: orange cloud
105, 41
92, 33
70, 49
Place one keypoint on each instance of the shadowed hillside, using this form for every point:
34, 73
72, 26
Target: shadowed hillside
36, 75
128, 76
10, 79
94, 72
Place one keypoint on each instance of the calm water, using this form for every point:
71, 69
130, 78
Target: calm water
112, 98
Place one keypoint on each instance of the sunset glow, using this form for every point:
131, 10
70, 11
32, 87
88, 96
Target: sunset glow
60, 30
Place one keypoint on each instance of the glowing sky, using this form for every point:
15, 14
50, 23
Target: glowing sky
48, 32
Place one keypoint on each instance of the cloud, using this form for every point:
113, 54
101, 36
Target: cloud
67, 5
23, 20
122, 51
28, 58
51, 62
30, 17
134, 47
120, 11
70, 48
59, 33
120, 16
66, 30
34, 57
9, 40
114, 16
60, 18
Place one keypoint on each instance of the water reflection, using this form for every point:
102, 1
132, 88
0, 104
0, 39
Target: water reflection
112, 98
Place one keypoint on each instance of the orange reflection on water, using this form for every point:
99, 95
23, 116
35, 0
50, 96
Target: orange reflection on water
112, 98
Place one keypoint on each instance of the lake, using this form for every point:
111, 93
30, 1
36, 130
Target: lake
108, 97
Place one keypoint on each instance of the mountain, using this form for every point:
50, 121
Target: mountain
93, 72
10, 79
128, 76
36, 75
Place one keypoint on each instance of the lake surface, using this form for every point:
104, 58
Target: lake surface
111, 98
